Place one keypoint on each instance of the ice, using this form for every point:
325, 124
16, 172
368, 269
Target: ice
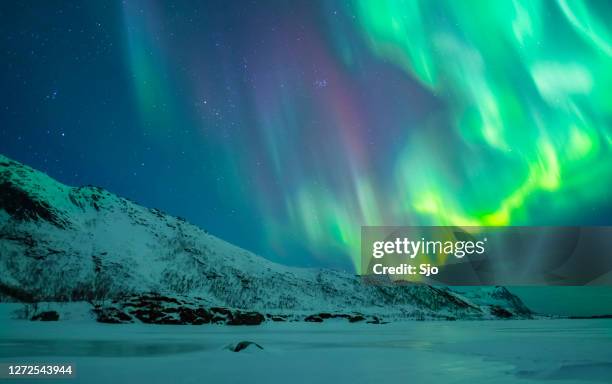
514, 351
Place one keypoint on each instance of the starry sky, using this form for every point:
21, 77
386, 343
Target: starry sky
283, 126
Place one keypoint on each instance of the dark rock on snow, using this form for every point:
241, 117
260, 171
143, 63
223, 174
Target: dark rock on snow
243, 345
46, 316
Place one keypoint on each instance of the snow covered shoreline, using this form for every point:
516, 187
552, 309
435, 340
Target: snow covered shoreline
175, 315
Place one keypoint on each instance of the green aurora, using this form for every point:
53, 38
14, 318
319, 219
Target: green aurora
527, 90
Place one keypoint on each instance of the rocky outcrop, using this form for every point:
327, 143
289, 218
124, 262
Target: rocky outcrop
351, 318
152, 308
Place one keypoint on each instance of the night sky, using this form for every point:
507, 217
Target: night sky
283, 126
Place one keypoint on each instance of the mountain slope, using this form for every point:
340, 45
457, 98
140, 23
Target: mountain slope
61, 243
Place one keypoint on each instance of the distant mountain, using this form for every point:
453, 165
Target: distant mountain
61, 243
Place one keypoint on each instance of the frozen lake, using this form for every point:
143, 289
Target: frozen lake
566, 351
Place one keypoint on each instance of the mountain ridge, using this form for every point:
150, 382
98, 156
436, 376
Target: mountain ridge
62, 243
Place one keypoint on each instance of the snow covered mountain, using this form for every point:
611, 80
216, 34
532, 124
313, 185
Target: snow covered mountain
61, 243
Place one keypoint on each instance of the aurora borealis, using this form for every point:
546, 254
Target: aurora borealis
285, 126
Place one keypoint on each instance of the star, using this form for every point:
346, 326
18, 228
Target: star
320, 83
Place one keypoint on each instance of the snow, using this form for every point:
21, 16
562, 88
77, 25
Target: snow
513, 351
